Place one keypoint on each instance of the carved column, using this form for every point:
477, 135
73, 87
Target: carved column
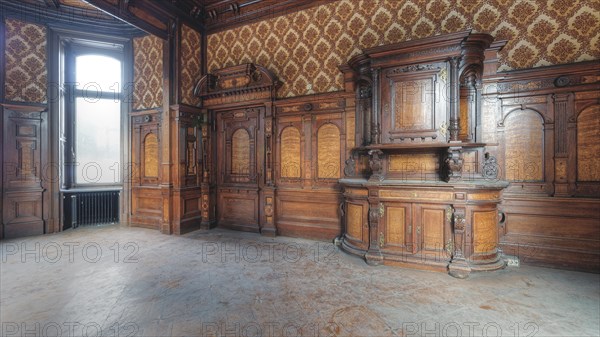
458, 267
206, 203
373, 255
454, 125
561, 105
268, 192
375, 124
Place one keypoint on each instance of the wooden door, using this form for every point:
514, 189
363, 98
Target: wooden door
24, 167
239, 160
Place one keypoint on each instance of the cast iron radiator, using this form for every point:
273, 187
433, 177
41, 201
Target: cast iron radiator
91, 208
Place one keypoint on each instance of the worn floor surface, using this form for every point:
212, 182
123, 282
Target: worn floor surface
121, 281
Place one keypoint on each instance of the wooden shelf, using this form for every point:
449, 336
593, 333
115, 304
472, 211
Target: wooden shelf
419, 146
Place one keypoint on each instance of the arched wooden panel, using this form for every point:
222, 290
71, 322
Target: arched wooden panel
151, 156
290, 153
240, 152
328, 152
588, 144
524, 151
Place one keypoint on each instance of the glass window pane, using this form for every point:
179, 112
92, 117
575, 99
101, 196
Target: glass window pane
98, 73
98, 141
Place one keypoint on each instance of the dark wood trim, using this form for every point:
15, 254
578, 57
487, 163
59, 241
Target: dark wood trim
277, 8
125, 15
2, 76
68, 18
2, 57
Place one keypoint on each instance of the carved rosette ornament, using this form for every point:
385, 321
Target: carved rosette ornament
376, 164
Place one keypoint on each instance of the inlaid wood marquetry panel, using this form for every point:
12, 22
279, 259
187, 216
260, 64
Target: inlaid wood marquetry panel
328, 152
240, 152
306, 47
485, 230
433, 229
588, 144
354, 221
25, 64
413, 108
464, 118
395, 225
191, 153
524, 159
413, 163
151, 156
290, 153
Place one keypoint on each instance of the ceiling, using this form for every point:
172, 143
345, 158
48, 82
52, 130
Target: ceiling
155, 15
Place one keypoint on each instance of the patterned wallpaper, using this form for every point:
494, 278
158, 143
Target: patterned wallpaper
191, 70
304, 48
26, 73
147, 72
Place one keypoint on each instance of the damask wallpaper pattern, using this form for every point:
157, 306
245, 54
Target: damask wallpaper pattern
305, 48
25, 57
147, 72
191, 69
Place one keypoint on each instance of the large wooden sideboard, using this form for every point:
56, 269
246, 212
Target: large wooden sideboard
429, 195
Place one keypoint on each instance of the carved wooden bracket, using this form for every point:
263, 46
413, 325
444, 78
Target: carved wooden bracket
452, 165
376, 164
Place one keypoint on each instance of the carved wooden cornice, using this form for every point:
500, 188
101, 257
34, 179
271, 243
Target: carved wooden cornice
239, 83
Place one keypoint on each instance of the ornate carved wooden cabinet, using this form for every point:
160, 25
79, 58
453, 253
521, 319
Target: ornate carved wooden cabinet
421, 190
238, 189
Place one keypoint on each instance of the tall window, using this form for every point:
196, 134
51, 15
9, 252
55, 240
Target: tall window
93, 116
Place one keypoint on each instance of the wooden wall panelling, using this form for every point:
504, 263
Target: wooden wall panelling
313, 129
309, 213
2, 78
24, 158
239, 100
554, 232
583, 168
526, 137
534, 225
187, 192
146, 151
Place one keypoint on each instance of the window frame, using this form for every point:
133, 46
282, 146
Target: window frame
72, 49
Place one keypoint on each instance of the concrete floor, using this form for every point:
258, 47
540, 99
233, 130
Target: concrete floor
120, 281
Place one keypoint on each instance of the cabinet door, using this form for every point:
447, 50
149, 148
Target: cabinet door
357, 228
412, 103
432, 226
398, 228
